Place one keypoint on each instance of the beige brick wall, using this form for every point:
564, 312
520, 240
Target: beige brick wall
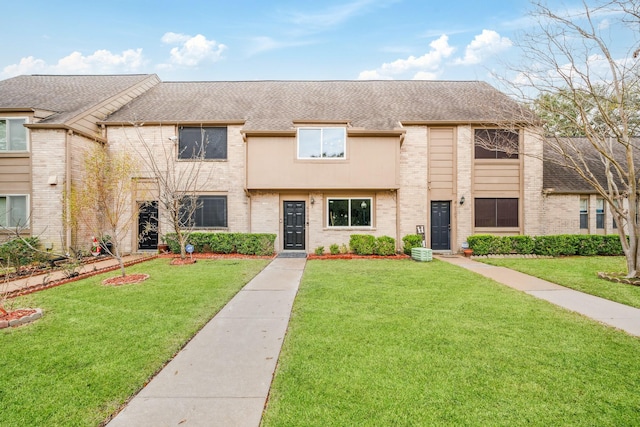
212, 177
463, 220
48, 159
533, 212
412, 195
562, 215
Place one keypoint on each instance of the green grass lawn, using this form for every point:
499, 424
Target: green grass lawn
381, 343
579, 273
97, 345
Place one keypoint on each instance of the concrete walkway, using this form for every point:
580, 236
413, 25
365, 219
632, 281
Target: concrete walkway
223, 375
608, 312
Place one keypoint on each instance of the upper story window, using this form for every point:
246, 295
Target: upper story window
322, 143
13, 211
13, 135
208, 143
496, 144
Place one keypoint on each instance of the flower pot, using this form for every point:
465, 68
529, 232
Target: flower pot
163, 248
467, 252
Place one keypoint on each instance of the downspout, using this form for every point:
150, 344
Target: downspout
67, 189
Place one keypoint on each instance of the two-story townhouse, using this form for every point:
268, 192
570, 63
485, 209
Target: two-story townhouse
317, 161
46, 123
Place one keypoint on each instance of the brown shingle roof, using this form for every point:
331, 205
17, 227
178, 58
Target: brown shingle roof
275, 105
68, 96
559, 179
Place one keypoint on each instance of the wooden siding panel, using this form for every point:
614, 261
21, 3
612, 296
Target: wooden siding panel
441, 162
501, 178
15, 175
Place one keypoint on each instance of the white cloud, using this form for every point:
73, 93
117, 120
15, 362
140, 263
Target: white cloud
429, 64
484, 45
192, 51
101, 61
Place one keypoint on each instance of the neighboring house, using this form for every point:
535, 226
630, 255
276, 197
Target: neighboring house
572, 206
310, 161
46, 123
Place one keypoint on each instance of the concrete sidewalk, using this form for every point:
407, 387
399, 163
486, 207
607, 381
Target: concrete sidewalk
223, 375
608, 312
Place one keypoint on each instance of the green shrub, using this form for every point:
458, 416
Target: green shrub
588, 245
226, 243
523, 245
344, 249
484, 244
16, 252
334, 249
411, 241
319, 250
611, 245
385, 246
557, 245
362, 244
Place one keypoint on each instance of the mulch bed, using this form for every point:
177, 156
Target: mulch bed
125, 280
19, 317
354, 256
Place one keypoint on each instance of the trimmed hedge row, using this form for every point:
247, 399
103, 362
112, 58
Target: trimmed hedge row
365, 244
554, 245
226, 243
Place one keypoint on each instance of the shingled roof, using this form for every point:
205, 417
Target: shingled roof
562, 180
275, 105
65, 96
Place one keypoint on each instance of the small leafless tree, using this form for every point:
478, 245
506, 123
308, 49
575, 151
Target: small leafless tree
180, 182
580, 83
103, 201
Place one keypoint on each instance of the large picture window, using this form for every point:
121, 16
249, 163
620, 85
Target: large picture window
13, 211
321, 143
202, 143
13, 135
496, 213
208, 212
496, 144
349, 212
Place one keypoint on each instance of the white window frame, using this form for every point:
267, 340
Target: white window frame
26, 134
9, 208
350, 199
322, 129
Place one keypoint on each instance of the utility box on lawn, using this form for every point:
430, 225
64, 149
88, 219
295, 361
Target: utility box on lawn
421, 254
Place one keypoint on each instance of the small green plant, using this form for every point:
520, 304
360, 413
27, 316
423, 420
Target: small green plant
319, 250
385, 246
362, 244
334, 249
411, 241
344, 249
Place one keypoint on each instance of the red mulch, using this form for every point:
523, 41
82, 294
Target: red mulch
16, 314
354, 256
186, 261
125, 280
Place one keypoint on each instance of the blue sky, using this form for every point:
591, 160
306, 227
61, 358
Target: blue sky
263, 40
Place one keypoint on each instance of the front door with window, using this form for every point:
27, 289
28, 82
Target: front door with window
294, 225
148, 225
440, 226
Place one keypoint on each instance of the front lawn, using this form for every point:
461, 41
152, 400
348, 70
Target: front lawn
579, 273
97, 345
380, 343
